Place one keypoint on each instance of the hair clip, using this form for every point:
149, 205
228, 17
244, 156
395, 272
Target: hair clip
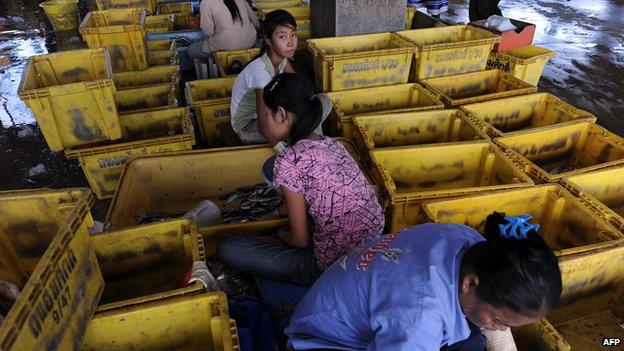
274, 84
517, 227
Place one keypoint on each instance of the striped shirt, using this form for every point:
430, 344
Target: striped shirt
256, 75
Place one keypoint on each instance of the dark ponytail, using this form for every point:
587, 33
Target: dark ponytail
295, 94
519, 273
234, 11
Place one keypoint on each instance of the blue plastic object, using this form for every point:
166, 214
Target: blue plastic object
189, 36
518, 227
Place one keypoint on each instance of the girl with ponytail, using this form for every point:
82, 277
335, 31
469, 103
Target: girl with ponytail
331, 206
227, 25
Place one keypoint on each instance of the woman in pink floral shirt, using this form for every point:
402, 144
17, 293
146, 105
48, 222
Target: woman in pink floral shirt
331, 206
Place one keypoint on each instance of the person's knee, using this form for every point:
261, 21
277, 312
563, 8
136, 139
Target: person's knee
227, 249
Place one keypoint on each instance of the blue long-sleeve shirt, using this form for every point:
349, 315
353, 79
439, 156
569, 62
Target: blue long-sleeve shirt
400, 292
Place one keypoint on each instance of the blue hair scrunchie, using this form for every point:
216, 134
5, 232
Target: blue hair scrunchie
517, 227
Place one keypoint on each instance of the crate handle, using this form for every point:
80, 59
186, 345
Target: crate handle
557, 210
93, 56
572, 189
99, 86
455, 127
487, 168
35, 95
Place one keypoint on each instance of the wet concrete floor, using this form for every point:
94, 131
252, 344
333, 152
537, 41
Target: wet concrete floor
588, 36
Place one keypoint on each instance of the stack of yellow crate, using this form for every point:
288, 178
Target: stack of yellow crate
183, 11
145, 304
102, 118
48, 254
148, 5
445, 139
137, 102
461, 175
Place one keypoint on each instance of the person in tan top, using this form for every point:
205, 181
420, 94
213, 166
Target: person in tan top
227, 25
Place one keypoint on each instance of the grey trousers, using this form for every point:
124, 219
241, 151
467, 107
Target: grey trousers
195, 52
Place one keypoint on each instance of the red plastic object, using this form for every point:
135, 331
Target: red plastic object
511, 39
187, 277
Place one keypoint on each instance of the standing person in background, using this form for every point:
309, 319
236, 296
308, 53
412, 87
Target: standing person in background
430, 287
227, 25
434, 7
482, 9
247, 108
331, 206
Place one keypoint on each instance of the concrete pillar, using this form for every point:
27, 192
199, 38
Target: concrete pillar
348, 17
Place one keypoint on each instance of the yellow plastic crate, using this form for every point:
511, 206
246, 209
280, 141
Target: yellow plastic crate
359, 61
174, 183
163, 58
601, 190
450, 50
413, 174
165, 44
517, 114
225, 60
122, 32
525, 63
147, 98
147, 262
156, 123
276, 4
409, 17
413, 128
48, 254
388, 99
159, 23
102, 164
297, 10
304, 32
183, 12
573, 230
469, 88
192, 323
148, 5
552, 153
122, 4
595, 313
539, 335
151, 76
151, 5
586, 245
210, 99
71, 95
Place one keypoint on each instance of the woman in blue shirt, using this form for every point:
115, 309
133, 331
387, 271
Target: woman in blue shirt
430, 287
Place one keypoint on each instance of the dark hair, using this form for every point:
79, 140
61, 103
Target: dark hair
296, 95
520, 274
234, 11
271, 21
